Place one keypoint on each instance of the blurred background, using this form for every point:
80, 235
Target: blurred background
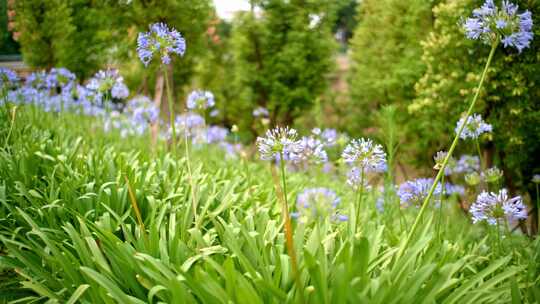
377, 68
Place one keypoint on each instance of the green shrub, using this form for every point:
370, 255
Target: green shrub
74, 34
280, 62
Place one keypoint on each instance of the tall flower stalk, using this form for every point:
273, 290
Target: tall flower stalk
281, 145
452, 148
491, 25
364, 156
162, 41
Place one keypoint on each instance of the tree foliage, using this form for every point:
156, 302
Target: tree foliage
74, 34
283, 55
385, 55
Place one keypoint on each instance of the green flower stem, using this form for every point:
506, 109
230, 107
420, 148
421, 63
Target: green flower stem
288, 230
450, 151
13, 114
482, 165
360, 194
171, 109
190, 177
440, 209
499, 237
538, 207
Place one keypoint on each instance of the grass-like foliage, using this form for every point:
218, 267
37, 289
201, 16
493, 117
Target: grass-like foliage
99, 205
69, 231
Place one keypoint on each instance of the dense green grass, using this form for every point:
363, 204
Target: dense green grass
69, 231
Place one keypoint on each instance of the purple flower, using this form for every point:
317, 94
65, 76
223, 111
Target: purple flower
161, 40
37, 80
188, 123
142, 110
216, 134
280, 141
414, 192
474, 127
317, 204
59, 78
312, 150
536, 179
492, 207
260, 112
8, 78
366, 155
489, 23
200, 100
119, 91
108, 83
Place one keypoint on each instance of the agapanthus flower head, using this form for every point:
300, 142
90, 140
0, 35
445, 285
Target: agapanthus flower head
119, 91
492, 175
536, 179
465, 164
365, 154
216, 134
496, 207
329, 137
189, 123
109, 83
280, 141
312, 150
317, 204
58, 78
8, 78
260, 112
200, 100
413, 193
142, 110
37, 80
163, 41
474, 127
490, 23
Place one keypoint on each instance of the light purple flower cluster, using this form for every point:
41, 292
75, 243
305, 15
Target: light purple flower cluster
474, 127
60, 79
413, 193
135, 119
536, 179
496, 207
200, 100
56, 91
8, 78
260, 112
216, 134
327, 136
365, 154
109, 84
490, 23
316, 204
188, 124
161, 40
280, 141
312, 150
